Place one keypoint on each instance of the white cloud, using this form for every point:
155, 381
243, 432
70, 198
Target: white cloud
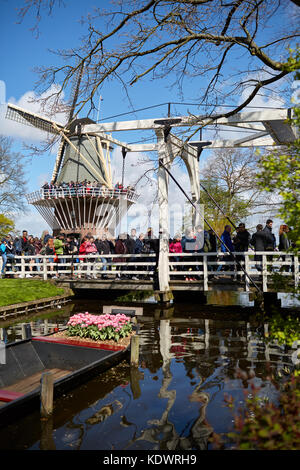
33, 222
145, 213
31, 102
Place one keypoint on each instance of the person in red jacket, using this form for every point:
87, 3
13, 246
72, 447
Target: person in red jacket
82, 251
176, 247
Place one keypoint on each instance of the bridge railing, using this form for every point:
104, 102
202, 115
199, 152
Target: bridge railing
80, 266
201, 267
261, 265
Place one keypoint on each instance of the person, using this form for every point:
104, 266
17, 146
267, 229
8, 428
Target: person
71, 250
82, 251
37, 243
200, 235
226, 247
3, 255
133, 234
176, 247
103, 247
50, 252
59, 250
91, 252
139, 249
6, 249
258, 242
270, 241
188, 243
24, 242
17, 246
202, 244
71, 247
120, 249
284, 244
213, 249
241, 242
151, 246
31, 252
10, 252
130, 245
45, 237
241, 239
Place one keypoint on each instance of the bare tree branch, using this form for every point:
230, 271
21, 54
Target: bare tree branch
174, 40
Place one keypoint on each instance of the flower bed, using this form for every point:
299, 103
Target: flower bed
99, 327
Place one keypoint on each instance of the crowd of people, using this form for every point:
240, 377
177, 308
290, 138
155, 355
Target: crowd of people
75, 188
193, 241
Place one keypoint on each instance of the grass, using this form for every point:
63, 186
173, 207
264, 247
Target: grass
14, 291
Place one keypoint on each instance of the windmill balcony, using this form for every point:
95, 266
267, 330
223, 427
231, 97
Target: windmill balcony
84, 209
63, 193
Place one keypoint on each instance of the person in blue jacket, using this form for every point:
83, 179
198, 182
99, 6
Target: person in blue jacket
3, 255
226, 247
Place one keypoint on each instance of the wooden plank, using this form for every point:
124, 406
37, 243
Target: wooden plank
28, 384
134, 357
47, 387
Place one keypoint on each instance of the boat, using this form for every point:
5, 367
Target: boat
70, 361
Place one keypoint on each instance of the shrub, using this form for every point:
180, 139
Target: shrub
267, 426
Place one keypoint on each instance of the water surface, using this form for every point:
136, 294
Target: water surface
189, 356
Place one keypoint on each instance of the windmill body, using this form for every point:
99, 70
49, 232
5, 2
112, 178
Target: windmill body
81, 197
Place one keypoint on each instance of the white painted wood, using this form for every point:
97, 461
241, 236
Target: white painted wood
264, 273
45, 274
165, 154
264, 142
22, 267
205, 273
247, 269
188, 121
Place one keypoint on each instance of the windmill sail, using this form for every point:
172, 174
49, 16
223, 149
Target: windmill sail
61, 150
15, 113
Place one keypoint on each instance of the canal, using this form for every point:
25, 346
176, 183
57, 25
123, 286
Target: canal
189, 362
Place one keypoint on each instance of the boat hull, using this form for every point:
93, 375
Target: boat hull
29, 359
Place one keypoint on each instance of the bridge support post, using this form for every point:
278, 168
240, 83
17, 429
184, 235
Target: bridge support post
163, 187
170, 146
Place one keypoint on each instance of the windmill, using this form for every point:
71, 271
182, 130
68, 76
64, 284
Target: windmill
81, 197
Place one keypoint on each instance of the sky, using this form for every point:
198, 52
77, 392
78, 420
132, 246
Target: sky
21, 52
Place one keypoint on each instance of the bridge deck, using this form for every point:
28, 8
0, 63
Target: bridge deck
223, 283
